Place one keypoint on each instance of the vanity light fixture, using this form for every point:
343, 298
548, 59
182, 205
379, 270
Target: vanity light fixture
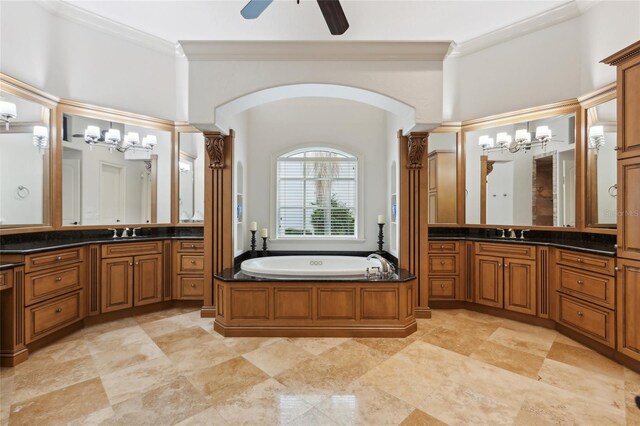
111, 138
596, 137
41, 138
7, 112
149, 142
521, 141
92, 136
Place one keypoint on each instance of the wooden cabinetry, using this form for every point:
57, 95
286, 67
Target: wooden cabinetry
444, 270
188, 266
627, 62
586, 294
442, 187
505, 278
134, 280
54, 289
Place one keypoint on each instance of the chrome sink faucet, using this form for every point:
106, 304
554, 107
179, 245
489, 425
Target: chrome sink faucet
134, 232
115, 232
125, 233
512, 233
522, 231
387, 267
501, 230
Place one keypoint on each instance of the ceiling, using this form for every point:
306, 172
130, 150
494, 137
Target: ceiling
459, 21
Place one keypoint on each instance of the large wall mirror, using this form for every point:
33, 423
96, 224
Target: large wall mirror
442, 178
522, 174
191, 164
114, 173
602, 189
25, 130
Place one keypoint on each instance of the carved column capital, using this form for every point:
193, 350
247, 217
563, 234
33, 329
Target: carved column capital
416, 143
214, 144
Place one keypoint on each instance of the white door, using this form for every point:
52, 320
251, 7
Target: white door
569, 199
111, 194
71, 191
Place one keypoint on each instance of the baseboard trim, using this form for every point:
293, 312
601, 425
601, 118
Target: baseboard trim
361, 331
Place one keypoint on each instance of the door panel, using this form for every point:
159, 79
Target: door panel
628, 303
117, 284
148, 282
629, 208
488, 282
519, 285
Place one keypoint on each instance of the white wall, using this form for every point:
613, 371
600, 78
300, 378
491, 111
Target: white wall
284, 125
20, 164
607, 176
193, 144
392, 230
76, 62
550, 65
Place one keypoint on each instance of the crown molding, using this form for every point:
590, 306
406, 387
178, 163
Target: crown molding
94, 21
315, 50
543, 20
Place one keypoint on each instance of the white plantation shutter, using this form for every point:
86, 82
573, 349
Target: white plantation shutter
317, 194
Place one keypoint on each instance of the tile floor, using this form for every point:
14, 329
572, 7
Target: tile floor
460, 367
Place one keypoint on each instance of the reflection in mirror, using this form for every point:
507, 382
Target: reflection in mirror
191, 178
24, 160
602, 188
442, 178
114, 173
522, 174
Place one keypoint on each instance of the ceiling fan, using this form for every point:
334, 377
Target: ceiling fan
331, 10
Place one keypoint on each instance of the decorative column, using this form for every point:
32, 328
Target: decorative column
218, 213
414, 215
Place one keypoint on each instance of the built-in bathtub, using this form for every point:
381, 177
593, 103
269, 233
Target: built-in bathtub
291, 267
313, 295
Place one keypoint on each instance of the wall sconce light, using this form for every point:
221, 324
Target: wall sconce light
149, 141
596, 137
41, 138
112, 138
485, 142
7, 112
92, 136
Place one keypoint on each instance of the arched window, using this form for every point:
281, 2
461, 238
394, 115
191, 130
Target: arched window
317, 194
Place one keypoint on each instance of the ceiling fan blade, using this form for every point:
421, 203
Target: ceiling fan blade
254, 8
334, 16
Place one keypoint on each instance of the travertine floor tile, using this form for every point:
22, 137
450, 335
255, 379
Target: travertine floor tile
179, 340
513, 360
420, 418
524, 341
458, 341
585, 358
277, 357
387, 346
313, 417
62, 405
209, 416
317, 345
125, 356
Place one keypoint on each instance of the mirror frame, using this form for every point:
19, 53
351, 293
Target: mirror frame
25, 91
591, 100
453, 127
571, 106
70, 107
181, 127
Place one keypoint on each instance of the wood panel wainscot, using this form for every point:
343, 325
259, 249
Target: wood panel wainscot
315, 309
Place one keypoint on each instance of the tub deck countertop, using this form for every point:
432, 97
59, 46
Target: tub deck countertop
235, 274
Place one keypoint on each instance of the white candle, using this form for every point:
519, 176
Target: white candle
253, 226
381, 219
264, 233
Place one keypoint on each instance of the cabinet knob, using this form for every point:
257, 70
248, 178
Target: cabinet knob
579, 260
58, 310
580, 313
506, 265
441, 285
499, 265
59, 258
130, 263
137, 263
58, 278
616, 269
616, 148
193, 246
193, 262
441, 246
580, 282
193, 284
442, 262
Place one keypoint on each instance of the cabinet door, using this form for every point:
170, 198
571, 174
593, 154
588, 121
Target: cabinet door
117, 284
629, 108
628, 298
629, 208
488, 283
148, 280
520, 285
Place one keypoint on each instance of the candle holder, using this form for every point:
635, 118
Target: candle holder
264, 246
380, 237
253, 244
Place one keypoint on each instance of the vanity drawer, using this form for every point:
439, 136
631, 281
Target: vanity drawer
6, 279
40, 286
197, 246
589, 262
590, 320
50, 316
443, 264
37, 262
597, 288
442, 287
190, 287
514, 250
443, 247
191, 263
131, 249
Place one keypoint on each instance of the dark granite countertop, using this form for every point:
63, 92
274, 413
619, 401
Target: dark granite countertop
601, 244
234, 274
44, 241
7, 265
